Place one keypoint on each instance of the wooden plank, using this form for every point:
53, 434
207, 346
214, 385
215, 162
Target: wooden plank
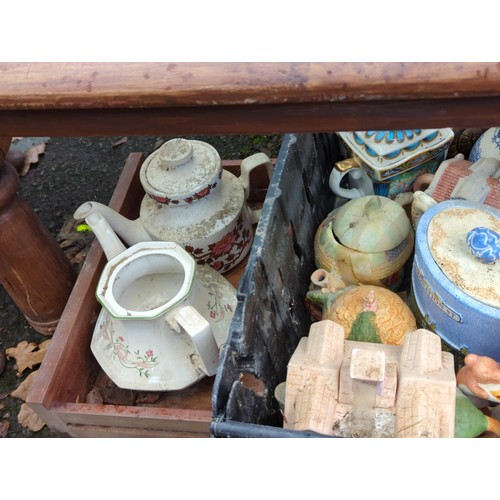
85, 99
106, 431
480, 112
146, 85
164, 419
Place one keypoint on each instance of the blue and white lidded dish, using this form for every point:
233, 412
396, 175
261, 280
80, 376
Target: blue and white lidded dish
456, 276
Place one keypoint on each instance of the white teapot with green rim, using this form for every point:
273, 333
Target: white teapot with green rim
164, 318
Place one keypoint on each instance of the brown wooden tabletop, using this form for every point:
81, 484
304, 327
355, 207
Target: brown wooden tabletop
84, 99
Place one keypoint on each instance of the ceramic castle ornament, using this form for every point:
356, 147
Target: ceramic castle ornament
192, 200
366, 241
342, 387
163, 318
346, 388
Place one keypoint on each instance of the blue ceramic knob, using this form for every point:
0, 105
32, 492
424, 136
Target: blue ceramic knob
484, 243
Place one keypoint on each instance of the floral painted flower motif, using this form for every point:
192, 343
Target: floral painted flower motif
224, 245
164, 200
120, 351
222, 255
200, 194
215, 305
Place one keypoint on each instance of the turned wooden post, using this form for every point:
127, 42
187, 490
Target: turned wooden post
33, 269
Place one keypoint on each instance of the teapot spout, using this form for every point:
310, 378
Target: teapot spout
108, 239
130, 231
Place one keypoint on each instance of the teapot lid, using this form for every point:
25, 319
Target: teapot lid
371, 224
388, 148
458, 235
181, 171
389, 142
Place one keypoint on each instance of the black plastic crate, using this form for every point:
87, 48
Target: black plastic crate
271, 315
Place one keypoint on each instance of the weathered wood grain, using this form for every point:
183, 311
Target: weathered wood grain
83, 99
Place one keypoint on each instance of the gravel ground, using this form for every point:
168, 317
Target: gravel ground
70, 172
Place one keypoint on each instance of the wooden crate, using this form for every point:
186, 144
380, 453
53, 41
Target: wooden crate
69, 369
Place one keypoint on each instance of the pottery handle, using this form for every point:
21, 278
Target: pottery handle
421, 201
247, 165
200, 332
359, 181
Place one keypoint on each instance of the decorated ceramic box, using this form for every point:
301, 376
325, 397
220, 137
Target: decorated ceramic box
393, 158
455, 277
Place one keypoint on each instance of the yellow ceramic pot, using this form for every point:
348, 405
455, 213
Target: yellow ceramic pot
367, 313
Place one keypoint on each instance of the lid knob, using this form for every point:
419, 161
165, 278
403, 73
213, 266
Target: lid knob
484, 243
175, 152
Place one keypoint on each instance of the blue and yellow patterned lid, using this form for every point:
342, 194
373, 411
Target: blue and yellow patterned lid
389, 143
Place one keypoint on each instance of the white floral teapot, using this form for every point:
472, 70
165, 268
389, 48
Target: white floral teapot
192, 200
164, 318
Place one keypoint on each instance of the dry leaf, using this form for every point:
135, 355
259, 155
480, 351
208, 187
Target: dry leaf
78, 258
123, 140
4, 428
29, 419
25, 386
32, 156
27, 354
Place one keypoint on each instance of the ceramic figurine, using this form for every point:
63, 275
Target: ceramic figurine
341, 387
366, 241
192, 200
163, 317
458, 178
470, 421
487, 146
367, 313
391, 158
453, 293
364, 327
480, 377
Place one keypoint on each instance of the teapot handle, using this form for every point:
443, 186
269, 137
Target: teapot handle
247, 165
200, 332
360, 182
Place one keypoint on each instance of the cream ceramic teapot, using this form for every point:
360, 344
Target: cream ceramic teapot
164, 318
365, 241
192, 200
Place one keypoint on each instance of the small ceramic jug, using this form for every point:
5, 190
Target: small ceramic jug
155, 331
